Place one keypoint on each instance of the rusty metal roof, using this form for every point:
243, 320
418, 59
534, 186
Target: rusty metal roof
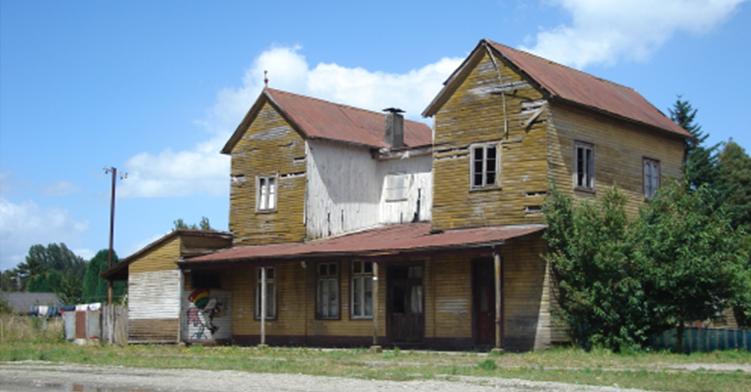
571, 85
319, 119
388, 240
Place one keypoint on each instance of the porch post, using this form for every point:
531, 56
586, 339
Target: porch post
263, 307
375, 346
498, 300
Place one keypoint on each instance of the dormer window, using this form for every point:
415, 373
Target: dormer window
266, 193
483, 165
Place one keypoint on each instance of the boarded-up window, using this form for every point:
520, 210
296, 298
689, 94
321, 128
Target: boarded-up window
362, 289
396, 187
651, 177
484, 164
584, 173
266, 193
327, 292
270, 293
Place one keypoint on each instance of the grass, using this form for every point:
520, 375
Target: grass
14, 328
646, 370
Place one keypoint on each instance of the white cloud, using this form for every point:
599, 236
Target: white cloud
203, 170
25, 224
606, 31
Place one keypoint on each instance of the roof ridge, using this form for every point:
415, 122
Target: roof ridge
339, 105
560, 65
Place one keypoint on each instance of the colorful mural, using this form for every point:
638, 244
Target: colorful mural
203, 311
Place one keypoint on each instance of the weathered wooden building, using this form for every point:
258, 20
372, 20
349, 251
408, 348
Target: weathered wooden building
359, 228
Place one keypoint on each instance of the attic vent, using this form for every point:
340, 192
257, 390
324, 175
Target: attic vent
394, 136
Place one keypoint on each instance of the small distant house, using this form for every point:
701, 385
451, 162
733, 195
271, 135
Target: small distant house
353, 228
43, 304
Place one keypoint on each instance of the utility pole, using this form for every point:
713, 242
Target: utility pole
113, 172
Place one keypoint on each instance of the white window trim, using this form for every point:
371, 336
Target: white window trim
257, 300
319, 279
258, 193
485, 146
364, 276
657, 163
585, 146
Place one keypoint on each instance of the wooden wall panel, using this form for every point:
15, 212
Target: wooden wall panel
270, 146
153, 330
163, 257
619, 149
474, 114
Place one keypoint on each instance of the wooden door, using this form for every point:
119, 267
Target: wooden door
406, 319
483, 302
80, 324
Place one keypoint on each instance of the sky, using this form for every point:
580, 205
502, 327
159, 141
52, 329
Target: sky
155, 88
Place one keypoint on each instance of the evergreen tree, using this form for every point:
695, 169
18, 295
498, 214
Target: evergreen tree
94, 286
700, 160
734, 183
179, 224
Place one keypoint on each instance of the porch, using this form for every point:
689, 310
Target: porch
449, 293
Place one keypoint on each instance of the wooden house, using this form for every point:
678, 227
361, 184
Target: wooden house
354, 227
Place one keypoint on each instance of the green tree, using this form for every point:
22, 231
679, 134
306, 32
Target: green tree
599, 286
94, 286
179, 224
692, 260
53, 268
700, 161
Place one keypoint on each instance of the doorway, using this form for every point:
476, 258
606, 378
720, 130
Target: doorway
405, 304
483, 302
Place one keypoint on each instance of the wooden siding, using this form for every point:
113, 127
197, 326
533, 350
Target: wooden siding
153, 330
619, 149
529, 322
473, 115
269, 147
160, 258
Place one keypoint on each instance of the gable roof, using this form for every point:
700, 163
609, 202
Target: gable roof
318, 119
562, 83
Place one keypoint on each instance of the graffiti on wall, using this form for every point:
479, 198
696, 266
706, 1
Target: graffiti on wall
201, 312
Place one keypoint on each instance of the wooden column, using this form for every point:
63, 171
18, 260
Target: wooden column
375, 346
497, 261
263, 306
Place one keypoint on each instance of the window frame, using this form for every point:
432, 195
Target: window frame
402, 176
319, 278
591, 176
267, 210
497, 183
364, 276
658, 164
257, 299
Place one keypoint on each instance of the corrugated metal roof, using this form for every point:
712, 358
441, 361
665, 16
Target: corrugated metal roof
394, 239
585, 89
319, 119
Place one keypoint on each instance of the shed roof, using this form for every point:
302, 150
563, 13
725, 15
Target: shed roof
22, 302
567, 84
319, 119
388, 240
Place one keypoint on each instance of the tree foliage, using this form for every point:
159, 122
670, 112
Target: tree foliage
621, 280
203, 224
699, 167
94, 286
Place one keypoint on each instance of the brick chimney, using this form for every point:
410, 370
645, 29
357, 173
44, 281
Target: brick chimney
394, 127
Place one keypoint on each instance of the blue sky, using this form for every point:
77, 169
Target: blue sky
154, 88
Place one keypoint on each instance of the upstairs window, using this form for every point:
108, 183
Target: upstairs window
396, 187
266, 193
327, 292
651, 177
584, 173
362, 289
483, 165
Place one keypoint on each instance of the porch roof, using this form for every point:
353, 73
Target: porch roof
383, 241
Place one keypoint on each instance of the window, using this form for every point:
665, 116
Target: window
362, 289
484, 165
651, 177
205, 280
396, 187
270, 293
266, 193
327, 291
584, 175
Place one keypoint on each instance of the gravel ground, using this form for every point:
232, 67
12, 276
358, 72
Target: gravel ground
40, 376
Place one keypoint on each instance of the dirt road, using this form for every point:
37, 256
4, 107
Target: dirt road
40, 376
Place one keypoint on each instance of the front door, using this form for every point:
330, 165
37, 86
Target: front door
483, 302
406, 320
